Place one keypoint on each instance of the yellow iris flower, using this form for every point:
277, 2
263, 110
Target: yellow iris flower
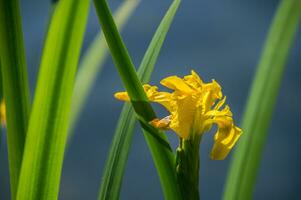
194, 107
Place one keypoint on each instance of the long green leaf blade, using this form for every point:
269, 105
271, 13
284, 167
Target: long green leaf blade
160, 149
92, 63
115, 165
244, 167
48, 125
15, 85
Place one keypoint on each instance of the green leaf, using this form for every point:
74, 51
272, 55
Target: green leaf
115, 165
162, 154
47, 132
1, 84
92, 63
261, 102
15, 85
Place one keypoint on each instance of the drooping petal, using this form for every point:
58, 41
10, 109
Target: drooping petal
227, 133
224, 140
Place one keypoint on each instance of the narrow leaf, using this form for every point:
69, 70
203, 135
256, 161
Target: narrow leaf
257, 117
115, 165
92, 63
15, 85
160, 149
48, 125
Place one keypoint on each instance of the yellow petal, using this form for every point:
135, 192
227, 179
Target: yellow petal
219, 113
196, 77
122, 96
220, 104
177, 84
214, 88
3, 113
224, 140
194, 81
210, 92
163, 98
183, 116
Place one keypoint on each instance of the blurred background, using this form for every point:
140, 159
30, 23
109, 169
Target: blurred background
218, 39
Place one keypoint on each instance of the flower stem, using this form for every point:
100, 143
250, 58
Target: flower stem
187, 167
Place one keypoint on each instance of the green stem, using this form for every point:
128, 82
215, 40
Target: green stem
188, 164
257, 117
15, 85
157, 142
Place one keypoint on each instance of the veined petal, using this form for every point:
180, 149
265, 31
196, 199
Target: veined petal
183, 116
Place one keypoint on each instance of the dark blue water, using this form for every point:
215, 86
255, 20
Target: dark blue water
218, 39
